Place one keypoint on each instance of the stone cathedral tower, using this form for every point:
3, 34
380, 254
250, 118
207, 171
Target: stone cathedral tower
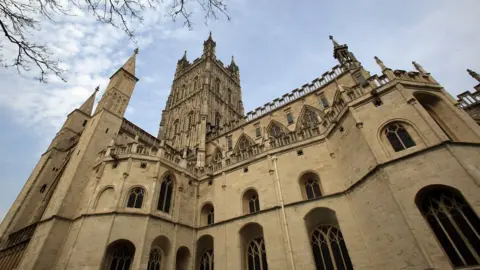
205, 99
349, 171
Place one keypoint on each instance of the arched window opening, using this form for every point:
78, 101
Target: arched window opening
155, 259
309, 118
217, 156
42, 189
229, 98
195, 83
175, 126
119, 255
204, 253
183, 259
454, 223
253, 247
165, 197
398, 137
184, 91
135, 197
243, 143
275, 131
446, 118
310, 183
217, 86
328, 245
206, 262
207, 215
251, 202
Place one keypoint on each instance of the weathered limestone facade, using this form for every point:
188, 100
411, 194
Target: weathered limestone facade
338, 174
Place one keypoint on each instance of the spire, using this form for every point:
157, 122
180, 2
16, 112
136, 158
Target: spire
474, 74
184, 55
209, 47
335, 44
129, 66
419, 68
380, 63
87, 106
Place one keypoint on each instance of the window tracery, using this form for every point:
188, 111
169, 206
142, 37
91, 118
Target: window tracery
135, 197
398, 137
165, 196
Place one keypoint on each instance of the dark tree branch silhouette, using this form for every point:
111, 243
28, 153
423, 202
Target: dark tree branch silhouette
19, 18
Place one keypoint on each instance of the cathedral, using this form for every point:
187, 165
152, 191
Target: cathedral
348, 171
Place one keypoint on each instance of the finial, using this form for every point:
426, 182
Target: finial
335, 44
380, 63
97, 88
418, 67
474, 74
135, 51
185, 55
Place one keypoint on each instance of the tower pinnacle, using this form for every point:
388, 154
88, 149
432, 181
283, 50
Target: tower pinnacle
474, 74
335, 44
418, 67
380, 63
341, 53
129, 66
87, 106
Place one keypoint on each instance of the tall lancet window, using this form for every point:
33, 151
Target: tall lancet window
257, 256
165, 197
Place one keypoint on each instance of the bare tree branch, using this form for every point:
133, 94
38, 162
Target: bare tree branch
18, 18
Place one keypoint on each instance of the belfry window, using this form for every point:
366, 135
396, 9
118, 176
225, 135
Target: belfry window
135, 197
454, 223
398, 137
165, 197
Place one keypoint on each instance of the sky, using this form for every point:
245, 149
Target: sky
278, 45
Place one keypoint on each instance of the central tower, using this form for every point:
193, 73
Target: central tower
205, 97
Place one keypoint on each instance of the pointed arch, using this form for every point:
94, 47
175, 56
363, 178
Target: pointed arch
105, 198
243, 142
135, 197
253, 247
276, 129
166, 194
217, 155
119, 255
195, 84
308, 117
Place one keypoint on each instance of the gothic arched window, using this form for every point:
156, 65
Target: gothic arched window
310, 183
229, 98
309, 118
217, 86
217, 157
175, 126
275, 130
207, 215
206, 262
195, 83
329, 249
251, 202
135, 197
398, 137
243, 143
119, 255
155, 259
165, 197
257, 256
454, 223
210, 217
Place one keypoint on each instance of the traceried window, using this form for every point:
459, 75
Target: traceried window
155, 259
217, 156
309, 118
454, 223
256, 255
119, 255
275, 131
329, 249
210, 217
229, 97
206, 262
135, 197
398, 137
243, 143
254, 203
312, 188
165, 197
